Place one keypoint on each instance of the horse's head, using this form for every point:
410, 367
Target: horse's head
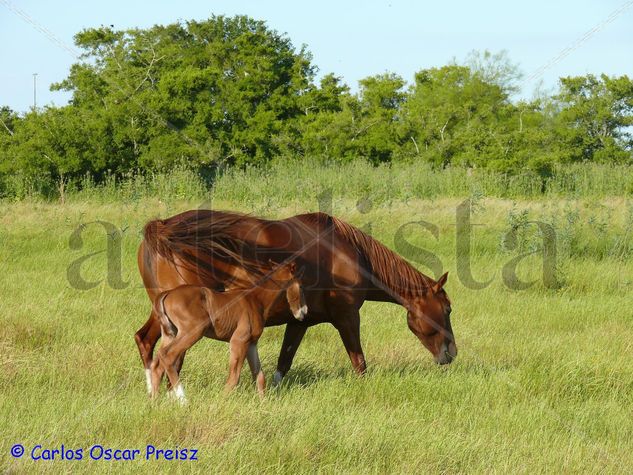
429, 318
287, 273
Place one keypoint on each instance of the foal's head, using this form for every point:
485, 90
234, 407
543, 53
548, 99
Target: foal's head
286, 276
429, 318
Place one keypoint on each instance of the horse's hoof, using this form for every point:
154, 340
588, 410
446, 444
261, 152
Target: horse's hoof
277, 379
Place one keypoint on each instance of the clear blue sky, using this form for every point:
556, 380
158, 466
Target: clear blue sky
353, 39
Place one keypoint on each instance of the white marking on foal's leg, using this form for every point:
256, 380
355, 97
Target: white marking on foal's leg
179, 393
148, 379
277, 377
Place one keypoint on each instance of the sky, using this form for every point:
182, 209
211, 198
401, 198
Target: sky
353, 39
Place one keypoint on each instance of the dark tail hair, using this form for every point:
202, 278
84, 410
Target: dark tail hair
198, 237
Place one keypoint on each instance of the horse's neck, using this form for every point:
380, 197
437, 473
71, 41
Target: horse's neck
378, 293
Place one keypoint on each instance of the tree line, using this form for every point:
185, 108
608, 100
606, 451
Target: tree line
229, 91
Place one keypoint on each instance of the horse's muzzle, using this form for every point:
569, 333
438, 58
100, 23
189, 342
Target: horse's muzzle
447, 353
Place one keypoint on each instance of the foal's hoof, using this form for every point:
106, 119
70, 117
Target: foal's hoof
178, 395
148, 380
181, 401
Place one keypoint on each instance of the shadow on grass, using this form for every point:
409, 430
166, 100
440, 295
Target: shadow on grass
307, 375
303, 375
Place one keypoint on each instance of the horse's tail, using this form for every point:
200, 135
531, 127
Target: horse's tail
155, 240
165, 322
198, 237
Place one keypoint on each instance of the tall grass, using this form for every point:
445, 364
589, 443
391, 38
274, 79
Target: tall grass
295, 181
543, 381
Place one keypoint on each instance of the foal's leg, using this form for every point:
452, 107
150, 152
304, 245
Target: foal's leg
170, 354
146, 338
180, 361
292, 339
238, 348
256, 367
178, 365
157, 370
348, 327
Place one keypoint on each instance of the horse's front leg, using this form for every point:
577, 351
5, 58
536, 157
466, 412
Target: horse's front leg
292, 339
348, 326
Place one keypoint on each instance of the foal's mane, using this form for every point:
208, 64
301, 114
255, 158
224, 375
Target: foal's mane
390, 269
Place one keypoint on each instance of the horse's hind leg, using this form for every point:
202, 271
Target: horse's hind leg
146, 338
292, 339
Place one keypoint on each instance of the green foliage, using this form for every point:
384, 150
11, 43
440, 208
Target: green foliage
596, 116
229, 91
200, 92
455, 116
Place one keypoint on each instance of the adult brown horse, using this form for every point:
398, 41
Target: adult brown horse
341, 267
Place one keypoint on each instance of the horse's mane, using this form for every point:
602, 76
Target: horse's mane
394, 272
198, 236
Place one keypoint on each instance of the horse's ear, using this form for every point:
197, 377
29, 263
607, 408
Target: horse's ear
440, 283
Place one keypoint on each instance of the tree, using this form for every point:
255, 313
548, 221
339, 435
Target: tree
345, 127
58, 143
226, 87
455, 116
376, 130
595, 118
495, 68
324, 127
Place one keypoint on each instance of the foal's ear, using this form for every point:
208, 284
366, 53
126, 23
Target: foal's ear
292, 267
440, 283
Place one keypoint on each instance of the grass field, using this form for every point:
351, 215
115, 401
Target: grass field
543, 381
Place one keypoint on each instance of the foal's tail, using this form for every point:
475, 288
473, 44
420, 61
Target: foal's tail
159, 309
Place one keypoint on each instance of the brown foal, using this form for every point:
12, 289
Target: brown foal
189, 312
